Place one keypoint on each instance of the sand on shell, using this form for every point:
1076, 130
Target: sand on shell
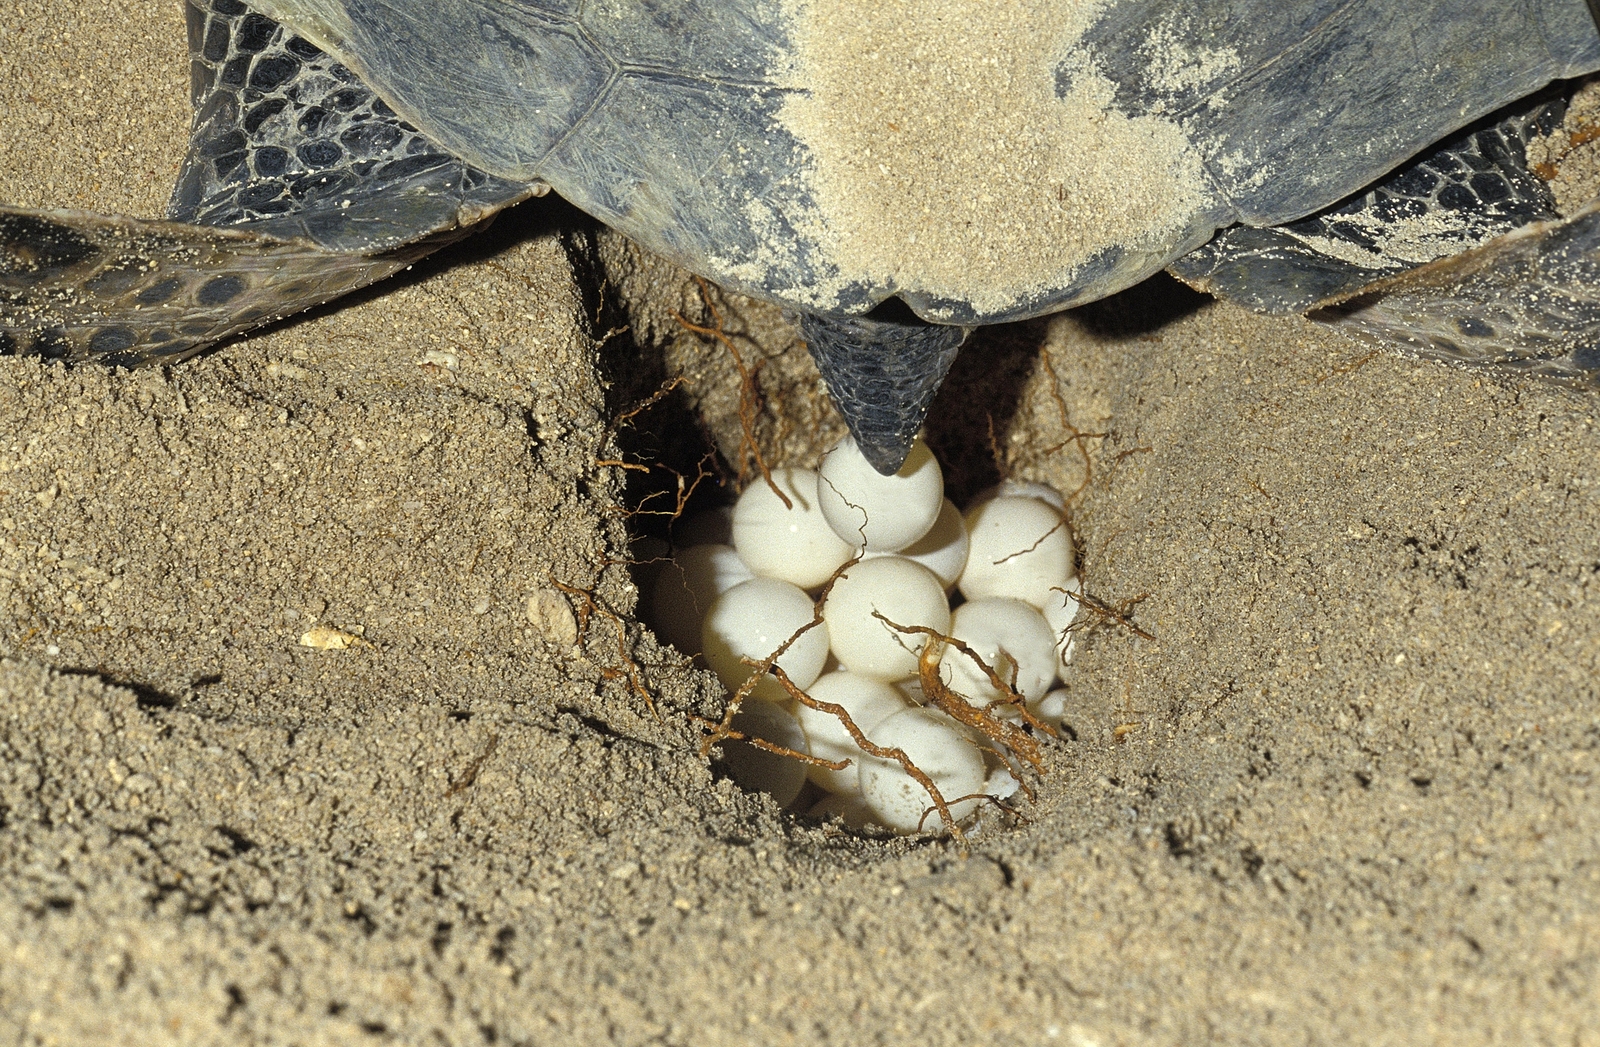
1347, 794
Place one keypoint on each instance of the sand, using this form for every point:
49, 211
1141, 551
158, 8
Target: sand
1346, 794
951, 163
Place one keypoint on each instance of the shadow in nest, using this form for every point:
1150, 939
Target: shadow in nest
1142, 309
673, 468
977, 406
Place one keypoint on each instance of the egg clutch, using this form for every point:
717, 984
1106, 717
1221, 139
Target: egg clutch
744, 582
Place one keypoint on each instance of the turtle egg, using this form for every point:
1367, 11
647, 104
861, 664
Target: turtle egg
686, 587
1023, 489
1020, 548
887, 512
939, 749
906, 593
752, 620
866, 701
793, 543
756, 769
1053, 707
1008, 635
943, 550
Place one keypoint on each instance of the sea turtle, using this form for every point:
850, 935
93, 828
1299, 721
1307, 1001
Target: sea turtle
894, 173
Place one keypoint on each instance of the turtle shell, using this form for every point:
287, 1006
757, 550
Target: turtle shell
982, 161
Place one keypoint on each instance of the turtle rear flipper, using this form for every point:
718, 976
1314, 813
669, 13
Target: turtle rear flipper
1527, 303
290, 143
300, 186
1458, 256
75, 285
1470, 190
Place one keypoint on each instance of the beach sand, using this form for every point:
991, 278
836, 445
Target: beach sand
1346, 792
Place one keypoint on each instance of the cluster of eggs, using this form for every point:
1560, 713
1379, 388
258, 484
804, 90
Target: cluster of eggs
749, 582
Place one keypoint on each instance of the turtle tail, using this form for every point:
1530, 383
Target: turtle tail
883, 371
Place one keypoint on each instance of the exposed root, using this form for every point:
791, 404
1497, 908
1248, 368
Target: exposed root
1008, 736
719, 731
749, 392
1002, 461
881, 752
683, 490
980, 797
627, 669
784, 750
1077, 437
1118, 615
685, 486
1038, 542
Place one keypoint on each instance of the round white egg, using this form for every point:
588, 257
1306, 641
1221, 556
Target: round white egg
1054, 707
754, 619
886, 512
1021, 548
911, 690
940, 750
906, 593
1023, 489
781, 777
943, 550
686, 587
866, 701
1001, 783
1007, 634
792, 543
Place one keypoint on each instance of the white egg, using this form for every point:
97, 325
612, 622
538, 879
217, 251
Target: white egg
904, 592
1007, 634
781, 777
686, 587
866, 701
1021, 548
1053, 707
939, 749
888, 512
1023, 489
1061, 610
752, 620
912, 691
943, 550
1001, 783
793, 543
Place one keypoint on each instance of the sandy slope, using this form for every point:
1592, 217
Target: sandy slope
1346, 795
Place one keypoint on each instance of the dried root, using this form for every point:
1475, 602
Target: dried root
626, 668
749, 392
